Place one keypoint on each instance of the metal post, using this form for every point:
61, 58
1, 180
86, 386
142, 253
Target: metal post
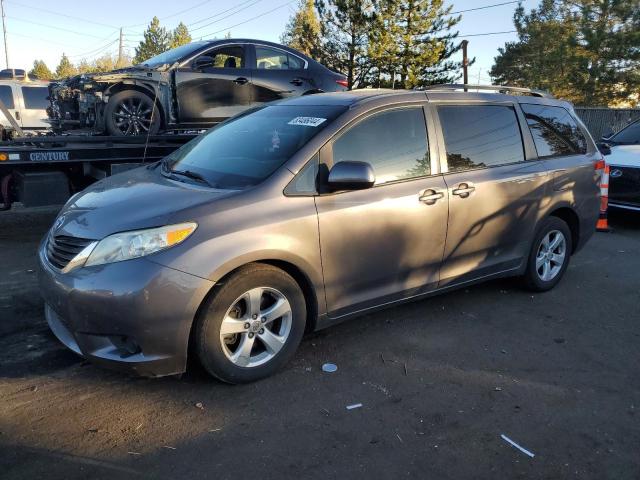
4, 31
465, 63
120, 50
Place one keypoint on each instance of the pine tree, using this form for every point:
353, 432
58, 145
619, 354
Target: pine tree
303, 30
586, 51
41, 71
414, 38
156, 40
180, 36
65, 68
345, 26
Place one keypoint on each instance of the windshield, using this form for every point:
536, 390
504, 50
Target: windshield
171, 56
245, 150
630, 135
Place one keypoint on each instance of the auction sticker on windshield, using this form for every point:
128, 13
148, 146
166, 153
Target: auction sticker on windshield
307, 121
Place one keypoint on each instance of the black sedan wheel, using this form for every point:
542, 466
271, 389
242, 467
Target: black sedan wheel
131, 113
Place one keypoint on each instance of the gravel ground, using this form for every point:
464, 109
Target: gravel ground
439, 381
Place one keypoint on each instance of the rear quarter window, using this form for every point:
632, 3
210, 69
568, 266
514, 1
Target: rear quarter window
555, 132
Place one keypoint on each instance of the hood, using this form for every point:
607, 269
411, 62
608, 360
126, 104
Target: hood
137, 199
624, 156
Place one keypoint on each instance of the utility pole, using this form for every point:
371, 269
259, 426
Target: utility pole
120, 49
465, 63
4, 31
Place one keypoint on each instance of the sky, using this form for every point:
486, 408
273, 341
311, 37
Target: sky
90, 28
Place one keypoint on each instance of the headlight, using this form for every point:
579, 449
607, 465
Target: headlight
128, 245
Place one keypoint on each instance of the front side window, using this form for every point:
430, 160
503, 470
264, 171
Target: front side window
478, 136
394, 143
273, 59
245, 150
35, 97
6, 95
555, 132
627, 136
231, 56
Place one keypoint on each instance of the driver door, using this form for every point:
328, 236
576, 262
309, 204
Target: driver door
213, 86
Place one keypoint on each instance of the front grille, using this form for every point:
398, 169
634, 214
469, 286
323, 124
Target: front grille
61, 250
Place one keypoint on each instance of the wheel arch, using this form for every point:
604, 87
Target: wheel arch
298, 274
570, 217
142, 88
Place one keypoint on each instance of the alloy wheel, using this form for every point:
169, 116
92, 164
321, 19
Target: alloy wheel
256, 327
133, 116
551, 255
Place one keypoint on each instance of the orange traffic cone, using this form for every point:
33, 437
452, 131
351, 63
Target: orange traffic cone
603, 223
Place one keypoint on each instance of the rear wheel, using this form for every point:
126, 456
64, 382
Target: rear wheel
252, 325
131, 112
549, 256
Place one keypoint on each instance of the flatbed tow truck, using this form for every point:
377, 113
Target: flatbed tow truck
47, 169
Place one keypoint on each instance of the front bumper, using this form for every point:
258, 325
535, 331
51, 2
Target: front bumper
134, 315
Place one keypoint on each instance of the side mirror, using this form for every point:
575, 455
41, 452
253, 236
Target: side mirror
605, 148
203, 61
607, 134
351, 176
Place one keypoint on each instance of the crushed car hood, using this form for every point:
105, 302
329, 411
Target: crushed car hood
140, 198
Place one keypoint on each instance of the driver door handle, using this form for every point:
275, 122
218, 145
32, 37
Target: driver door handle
297, 82
241, 80
464, 189
430, 196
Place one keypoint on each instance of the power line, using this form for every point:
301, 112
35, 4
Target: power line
252, 18
484, 7
226, 16
95, 51
485, 34
52, 12
220, 13
53, 27
172, 15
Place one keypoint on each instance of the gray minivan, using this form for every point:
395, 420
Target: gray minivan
299, 214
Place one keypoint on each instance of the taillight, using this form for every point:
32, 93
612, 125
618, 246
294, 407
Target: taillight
343, 83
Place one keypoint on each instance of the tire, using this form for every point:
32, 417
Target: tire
131, 112
270, 343
547, 261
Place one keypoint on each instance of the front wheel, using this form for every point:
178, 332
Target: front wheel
549, 256
252, 325
131, 112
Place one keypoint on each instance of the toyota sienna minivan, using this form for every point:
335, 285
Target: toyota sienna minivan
300, 214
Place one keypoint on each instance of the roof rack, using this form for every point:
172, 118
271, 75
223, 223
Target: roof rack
496, 88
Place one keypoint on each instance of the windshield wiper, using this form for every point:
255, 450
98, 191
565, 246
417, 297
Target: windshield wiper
192, 175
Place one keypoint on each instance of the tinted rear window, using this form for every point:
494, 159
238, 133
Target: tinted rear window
35, 97
478, 136
555, 132
245, 150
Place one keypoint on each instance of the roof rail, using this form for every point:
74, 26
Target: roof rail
496, 88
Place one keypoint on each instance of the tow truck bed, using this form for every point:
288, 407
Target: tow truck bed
73, 162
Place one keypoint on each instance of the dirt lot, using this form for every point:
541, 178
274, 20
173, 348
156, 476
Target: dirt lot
558, 373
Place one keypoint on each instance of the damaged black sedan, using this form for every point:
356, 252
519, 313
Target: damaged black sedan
190, 87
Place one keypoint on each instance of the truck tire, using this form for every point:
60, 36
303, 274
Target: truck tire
131, 112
